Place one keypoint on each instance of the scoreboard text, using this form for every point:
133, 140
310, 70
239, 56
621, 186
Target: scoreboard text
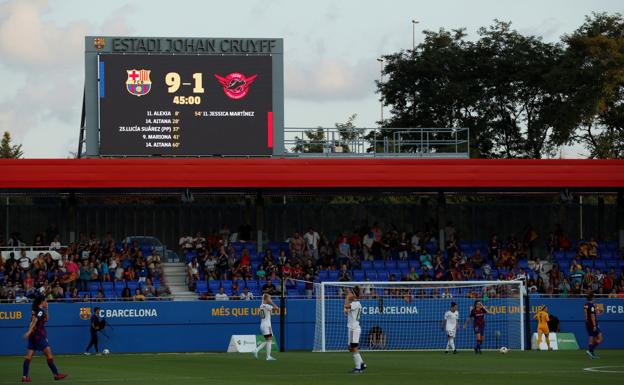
185, 105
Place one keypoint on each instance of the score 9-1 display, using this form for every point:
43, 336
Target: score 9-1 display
185, 105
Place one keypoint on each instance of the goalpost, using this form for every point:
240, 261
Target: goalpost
408, 315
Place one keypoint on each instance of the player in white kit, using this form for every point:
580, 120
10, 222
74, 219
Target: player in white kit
451, 319
353, 310
265, 326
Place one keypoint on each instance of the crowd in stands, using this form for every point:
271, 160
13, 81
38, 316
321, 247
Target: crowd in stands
89, 269
221, 264
225, 265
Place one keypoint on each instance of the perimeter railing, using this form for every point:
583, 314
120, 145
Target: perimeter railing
377, 142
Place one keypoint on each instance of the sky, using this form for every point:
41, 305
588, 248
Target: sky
330, 49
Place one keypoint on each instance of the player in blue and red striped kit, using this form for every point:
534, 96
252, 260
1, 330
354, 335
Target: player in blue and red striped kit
591, 325
38, 339
477, 315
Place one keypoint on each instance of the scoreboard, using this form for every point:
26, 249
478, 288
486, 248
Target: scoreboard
184, 97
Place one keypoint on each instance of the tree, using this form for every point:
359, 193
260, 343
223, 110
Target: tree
594, 65
7, 150
313, 143
507, 88
315, 140
350, 136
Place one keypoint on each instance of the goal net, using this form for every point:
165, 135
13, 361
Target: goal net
409, 315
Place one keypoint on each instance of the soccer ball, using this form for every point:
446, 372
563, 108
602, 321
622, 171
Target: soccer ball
503, 350
106, 352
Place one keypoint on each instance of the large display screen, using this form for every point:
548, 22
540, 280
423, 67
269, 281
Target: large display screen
185, 105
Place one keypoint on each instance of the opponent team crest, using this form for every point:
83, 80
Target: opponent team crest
236, 85
138, 83
99, 42
85, 313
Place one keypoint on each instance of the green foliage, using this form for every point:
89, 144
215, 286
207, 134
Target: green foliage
594, 61
8, 150
312, 143
312, 140
520, 97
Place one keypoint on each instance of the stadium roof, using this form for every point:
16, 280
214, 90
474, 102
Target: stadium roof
269, 173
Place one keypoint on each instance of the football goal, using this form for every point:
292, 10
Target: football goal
409, 315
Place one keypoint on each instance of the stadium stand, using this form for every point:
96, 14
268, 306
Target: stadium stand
93, 269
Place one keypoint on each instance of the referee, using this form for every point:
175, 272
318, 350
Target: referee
95, 326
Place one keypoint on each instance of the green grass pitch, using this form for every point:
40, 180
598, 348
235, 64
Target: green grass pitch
301, 368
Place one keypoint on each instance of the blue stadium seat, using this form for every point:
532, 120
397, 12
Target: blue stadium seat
358, 275
371, 275
324, 275
415, 264
333, 275
94, 286
214, 285
600, 264
156, 283
202, 287
132, 285
252, 285
382, 275
403, 265
558, 254
391, 265
379, 265
463, 245
367, 265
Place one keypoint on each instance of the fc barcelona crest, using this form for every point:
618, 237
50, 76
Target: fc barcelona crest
138, 83
85, 313
99, 43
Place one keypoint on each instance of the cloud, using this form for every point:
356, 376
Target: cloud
43, 111
330, 79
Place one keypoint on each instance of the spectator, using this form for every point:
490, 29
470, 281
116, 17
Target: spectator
343, 250
297, 246
246, 295
125, 294
412, 275
343, 274
269, 287
493, 248
425, 260
186, 243
312, 240
367, 246
85, 275
376, 338
138, 295
56, 243
221, 296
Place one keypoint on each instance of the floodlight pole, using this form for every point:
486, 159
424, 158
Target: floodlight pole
414, 22
381, 66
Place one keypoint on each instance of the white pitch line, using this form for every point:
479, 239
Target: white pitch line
599, 369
